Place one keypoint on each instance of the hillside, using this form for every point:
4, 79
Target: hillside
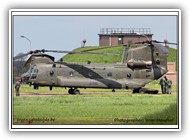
172, 56
94, 58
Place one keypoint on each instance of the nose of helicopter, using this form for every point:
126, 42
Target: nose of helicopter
25, 77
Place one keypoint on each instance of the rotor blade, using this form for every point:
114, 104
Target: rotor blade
142, 42
157, 45
55, 51
74, 52
164, 42
99, 48
22, 55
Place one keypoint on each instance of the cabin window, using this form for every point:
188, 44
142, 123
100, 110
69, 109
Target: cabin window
71, 73
128, 75
30, 69
33, 69
109, 74
51, 73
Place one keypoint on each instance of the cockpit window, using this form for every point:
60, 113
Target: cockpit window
71, 73
33, 69
30, 69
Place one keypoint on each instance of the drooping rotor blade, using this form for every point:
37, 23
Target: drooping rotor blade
69, 52
74, 52
22, 55
142, 42
155, 41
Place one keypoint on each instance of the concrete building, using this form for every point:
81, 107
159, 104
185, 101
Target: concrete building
121, 36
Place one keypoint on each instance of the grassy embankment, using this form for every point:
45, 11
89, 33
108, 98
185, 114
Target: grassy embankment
172, 56
96, 58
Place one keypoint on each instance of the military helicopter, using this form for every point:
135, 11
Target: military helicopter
139, 66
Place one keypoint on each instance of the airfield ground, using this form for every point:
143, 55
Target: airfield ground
83, 93
94, 106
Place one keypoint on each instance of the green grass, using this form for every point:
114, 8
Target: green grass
96, 109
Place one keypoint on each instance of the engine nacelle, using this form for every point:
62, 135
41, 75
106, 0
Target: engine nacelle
138, 64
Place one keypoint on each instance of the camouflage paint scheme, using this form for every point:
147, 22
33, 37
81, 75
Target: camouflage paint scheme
139, 66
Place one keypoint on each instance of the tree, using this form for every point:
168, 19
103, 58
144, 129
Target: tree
18, 66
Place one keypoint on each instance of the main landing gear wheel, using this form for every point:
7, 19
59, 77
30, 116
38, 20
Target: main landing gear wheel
36, 87
139, 90
74, 91
70, 91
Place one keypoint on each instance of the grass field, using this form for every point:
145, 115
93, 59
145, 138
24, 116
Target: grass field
121, 107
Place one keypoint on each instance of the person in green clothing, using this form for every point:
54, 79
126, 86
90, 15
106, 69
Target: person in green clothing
166, 84
169, 83
163, 85
17, 86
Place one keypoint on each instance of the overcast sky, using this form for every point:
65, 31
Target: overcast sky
67, 32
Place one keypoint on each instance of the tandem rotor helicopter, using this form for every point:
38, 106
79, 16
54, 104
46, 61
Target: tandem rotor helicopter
139, 66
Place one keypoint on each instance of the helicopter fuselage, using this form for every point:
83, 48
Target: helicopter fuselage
139, 66
72, 75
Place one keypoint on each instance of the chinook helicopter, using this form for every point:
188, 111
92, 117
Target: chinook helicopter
139, 66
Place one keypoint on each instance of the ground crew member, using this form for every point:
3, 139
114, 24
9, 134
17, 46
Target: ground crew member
17, 86
169, 83
166, 85
163, 85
